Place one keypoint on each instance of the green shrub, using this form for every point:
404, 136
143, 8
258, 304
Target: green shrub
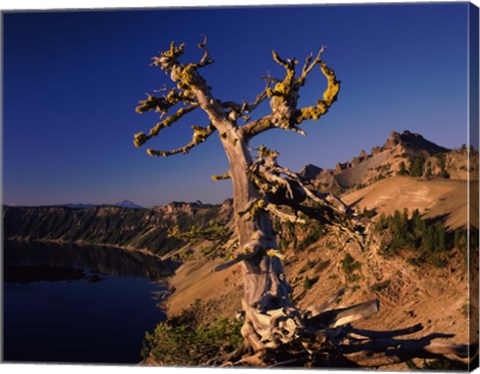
308, 265
185, 254
368, 213
349, 265
315, 232
183, 340
307, 283
378, 287
430, 240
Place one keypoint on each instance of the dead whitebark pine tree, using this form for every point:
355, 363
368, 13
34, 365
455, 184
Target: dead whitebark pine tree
275, 330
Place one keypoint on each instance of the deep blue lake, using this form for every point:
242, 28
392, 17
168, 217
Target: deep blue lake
69, 303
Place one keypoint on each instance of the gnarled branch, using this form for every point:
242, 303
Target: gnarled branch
200, 135
284, 217
258, 126
309, 65
168, 59
273, 180
284, 97
141, 138
164, 103
330, 95
205, 60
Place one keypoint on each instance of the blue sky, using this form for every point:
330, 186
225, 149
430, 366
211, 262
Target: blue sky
72, 81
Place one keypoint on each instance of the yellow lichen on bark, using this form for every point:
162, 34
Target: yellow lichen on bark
330, 95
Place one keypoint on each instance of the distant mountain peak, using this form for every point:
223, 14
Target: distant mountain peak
412, 141
128, 204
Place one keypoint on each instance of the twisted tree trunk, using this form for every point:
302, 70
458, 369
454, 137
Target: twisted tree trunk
266, 291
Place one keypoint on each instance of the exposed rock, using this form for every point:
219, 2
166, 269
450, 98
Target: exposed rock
310, 171
363, 155
376, 150
392, 140
385, 162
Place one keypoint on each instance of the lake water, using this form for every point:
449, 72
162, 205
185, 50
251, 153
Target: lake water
68, 303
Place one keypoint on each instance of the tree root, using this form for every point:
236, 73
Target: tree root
327, 339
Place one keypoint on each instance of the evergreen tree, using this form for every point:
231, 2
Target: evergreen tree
457, 239
418, 224
440, 237
443, 170
428, 240
428, 172
402, 170
416, 167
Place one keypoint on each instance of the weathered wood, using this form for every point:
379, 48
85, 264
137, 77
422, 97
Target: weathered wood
338, 317
356, 312
315, 311
284, 217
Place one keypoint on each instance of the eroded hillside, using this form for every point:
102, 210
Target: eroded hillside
146, 229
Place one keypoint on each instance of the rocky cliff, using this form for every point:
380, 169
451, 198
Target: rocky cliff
110, 225
404, 153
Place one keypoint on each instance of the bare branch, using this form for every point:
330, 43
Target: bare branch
271, 79
200, 135
164, 103
308, 67
247, 251
140, 138
266, 167
236, 110
262, 96
290, 190
236, 260
338, 317
289, 65
284, 217
258, 126
205, 60
315, 311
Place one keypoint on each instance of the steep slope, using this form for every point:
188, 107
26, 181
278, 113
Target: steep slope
434, 198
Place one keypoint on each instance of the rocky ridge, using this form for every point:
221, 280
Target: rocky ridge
399, 151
